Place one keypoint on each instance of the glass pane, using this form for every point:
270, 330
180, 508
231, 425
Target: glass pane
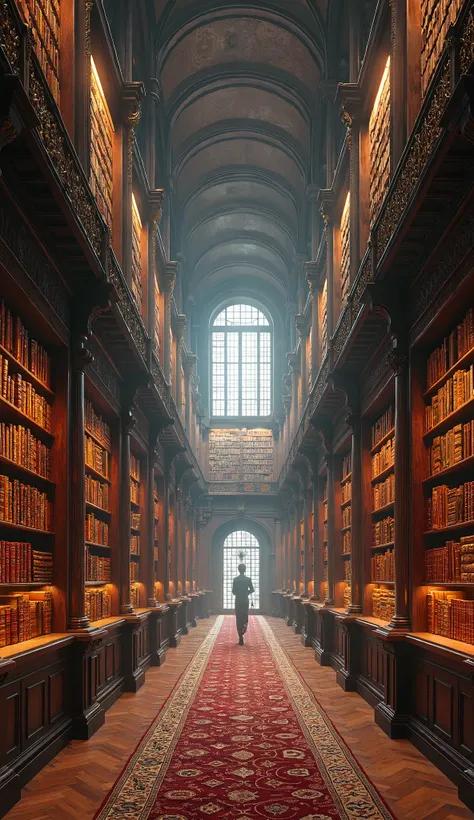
218, 374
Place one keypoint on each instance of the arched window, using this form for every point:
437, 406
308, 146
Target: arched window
241, 547
241, 362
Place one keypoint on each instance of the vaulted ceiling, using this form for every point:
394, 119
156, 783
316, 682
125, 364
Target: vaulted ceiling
240, 87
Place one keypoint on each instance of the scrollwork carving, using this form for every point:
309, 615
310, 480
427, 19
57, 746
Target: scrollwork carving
9, 36
127, 307
65, 164
418, 154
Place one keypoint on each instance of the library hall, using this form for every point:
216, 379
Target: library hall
237, 409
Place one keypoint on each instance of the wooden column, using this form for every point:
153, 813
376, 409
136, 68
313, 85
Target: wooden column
131, 96
357, 545
277, 580
331, 524
307, 512
127, 424
170, 280
399, 362
178, 541
77, 511
398, 81
355, 18
150, 557
166, 530
82, 85
312, 279
316, 544
180, 324
326, 199
155, 208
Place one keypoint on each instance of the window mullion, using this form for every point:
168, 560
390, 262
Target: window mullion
258, 374
240, 372
225, 374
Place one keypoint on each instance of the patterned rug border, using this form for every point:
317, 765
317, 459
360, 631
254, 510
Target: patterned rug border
194, 673
355, 767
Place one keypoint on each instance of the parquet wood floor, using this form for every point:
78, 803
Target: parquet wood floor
74, 784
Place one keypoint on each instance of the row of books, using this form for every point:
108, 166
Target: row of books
383, 604
23, 617
456, 391
134, 492
453, 563
347, 570
382, 566
98, 604
448, 450
97, 493
384, 458
96, 530
24, 505
325, 554
134, 571
96, 457
21, 564
21, 393
135, 467
383, 531
97, 568
459, 342
155, 553
135, 544
96, 425
346, 516
384, 492
14, 338
135, 520
347, 595
450, 505
346, 542
450, 615
137, 287
382, 426
18, 444
346, 492
135, 597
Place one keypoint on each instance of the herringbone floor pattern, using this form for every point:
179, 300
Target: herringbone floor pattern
74, 784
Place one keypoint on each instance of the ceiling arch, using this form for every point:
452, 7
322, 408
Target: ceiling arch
240, 89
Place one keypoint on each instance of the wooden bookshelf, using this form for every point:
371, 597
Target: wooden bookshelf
448, 455
102, 140
323, 517
379, 505
27, 485
98, 554
137, 597
345, 497
379, 145
44, 19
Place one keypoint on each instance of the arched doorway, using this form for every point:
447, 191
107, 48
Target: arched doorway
243, 534
240, 547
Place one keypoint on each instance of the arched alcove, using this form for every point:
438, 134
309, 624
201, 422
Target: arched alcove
263, 540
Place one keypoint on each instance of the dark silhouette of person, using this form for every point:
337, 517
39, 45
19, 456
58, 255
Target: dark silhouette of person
242, 587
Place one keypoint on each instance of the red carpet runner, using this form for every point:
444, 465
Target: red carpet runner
242, 737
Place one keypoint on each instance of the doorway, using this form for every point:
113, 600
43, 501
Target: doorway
241, 547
